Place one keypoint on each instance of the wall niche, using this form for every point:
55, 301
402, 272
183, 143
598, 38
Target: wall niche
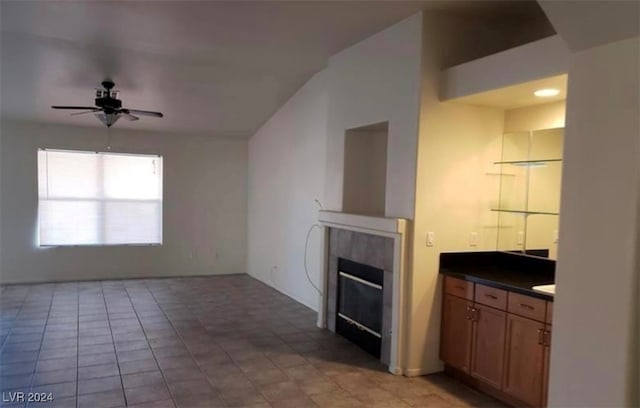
365, 170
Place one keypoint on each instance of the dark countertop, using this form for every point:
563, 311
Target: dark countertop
515, 273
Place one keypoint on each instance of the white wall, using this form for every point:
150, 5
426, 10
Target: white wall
454, 193
544, 116
286, 176
298, 155
539, 59
595, 311
204, 206
378, 80
457, 145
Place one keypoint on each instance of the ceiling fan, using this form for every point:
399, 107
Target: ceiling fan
108, 107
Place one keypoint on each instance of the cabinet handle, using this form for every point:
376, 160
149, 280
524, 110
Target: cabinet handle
525, 306
469, 312
547, 338
490, 296
475, 313
540, 336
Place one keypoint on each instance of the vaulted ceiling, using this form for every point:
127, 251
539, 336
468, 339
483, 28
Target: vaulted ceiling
586, 24
219, 67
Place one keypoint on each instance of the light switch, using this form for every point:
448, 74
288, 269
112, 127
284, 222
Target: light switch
520, 239
431, 237
555, 236
473, 239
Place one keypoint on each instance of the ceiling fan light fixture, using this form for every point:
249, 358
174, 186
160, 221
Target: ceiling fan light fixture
108, 118
110, 107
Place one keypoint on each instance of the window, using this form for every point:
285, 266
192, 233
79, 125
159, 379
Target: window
88, 198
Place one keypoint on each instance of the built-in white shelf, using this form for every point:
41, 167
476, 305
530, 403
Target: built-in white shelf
528, 162
524, 212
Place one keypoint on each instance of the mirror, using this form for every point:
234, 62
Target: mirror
528, 205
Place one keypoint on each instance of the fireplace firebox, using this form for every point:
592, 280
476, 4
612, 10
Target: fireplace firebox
360, 303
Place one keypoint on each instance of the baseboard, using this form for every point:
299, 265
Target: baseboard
484, 387
44, 282
395, 370
284, 292
414, 372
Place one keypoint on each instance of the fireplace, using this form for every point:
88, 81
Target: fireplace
360, 289
360, 305
363, 283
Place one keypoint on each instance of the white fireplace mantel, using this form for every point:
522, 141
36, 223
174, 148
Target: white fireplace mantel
395, 228
363, 223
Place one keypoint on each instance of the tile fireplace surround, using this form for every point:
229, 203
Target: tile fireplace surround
378, 242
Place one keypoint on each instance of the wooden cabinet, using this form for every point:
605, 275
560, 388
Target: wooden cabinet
455, 346
458, 287
489, 328
524, 359
527, 306
527, 349
497, 340
545, 371
486, 295
547, 354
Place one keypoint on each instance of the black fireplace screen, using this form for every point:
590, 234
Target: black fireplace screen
359, 311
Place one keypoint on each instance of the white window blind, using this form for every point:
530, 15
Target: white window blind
88, 198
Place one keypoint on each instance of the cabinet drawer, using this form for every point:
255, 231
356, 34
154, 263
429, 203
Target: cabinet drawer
489, 296
458, 287
549, 317
527, 306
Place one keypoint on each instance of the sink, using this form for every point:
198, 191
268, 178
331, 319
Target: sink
548, 289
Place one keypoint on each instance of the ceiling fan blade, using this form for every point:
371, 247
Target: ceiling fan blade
129, 116
75, 107
143, 113
88, 111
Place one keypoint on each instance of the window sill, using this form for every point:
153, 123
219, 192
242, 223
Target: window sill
98, 245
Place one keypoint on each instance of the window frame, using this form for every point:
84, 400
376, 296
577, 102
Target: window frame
103, 245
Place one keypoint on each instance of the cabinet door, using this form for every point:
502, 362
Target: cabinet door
455, 339
524, 359
545, 372
490, 326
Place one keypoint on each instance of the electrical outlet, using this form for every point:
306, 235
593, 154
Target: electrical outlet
556, 236
473, 239
431, 238
520, 239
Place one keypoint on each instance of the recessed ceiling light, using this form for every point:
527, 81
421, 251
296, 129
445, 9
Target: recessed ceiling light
547, 92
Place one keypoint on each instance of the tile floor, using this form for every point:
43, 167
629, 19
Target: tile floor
225, 341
